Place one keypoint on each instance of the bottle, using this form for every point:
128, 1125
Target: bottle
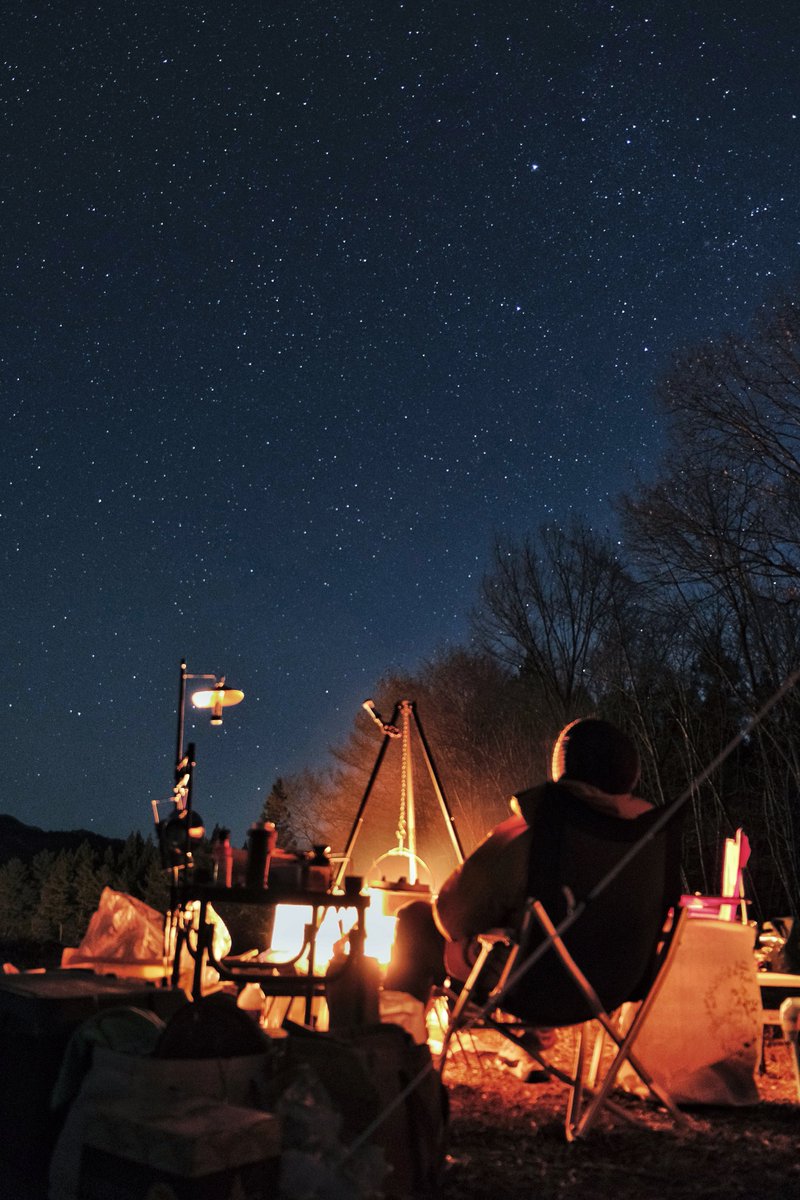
352, 984
257, 848
318, 870
222, 855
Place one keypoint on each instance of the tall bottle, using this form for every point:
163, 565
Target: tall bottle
257, 853
352, 989
222, 856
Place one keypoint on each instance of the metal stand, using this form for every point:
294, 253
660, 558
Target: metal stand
407, 710
199, 940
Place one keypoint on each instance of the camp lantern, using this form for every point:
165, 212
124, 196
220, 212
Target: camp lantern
216, 699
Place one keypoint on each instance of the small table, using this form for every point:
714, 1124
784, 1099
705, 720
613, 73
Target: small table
155, 971
776, 986
272, 983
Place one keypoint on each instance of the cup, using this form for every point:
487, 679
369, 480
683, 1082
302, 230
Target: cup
353, 885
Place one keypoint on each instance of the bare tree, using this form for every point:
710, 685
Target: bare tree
552, 609
303, 807
717, 535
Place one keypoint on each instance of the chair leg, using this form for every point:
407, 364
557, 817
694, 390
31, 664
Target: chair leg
624, 1053
597, 1056
459, 1034
461, 1000
575, 1099
624, 1044
457, 1026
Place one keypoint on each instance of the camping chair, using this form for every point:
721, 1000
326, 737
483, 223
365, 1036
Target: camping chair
613, 901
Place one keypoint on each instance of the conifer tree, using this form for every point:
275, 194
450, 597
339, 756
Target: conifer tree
86, 888
17, 899
51, 917
132, 864
155, 887
277, 808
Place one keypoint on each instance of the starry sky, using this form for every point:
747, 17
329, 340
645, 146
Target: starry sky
302, 304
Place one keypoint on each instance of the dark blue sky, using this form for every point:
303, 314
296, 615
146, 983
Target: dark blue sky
301, 305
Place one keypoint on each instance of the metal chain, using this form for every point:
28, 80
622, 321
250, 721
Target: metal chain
401, 820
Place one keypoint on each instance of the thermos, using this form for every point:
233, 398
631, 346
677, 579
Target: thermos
260, 842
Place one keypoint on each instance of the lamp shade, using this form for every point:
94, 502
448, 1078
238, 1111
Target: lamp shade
216, 699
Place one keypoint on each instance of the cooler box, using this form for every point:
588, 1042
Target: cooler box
38, 1014
205, 1151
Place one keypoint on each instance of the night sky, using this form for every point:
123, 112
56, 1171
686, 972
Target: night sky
303, 303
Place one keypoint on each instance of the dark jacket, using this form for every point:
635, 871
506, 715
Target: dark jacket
562, 834
489, 889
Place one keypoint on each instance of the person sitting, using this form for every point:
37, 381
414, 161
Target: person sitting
562, 837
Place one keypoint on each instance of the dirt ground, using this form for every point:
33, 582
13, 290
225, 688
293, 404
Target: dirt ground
507, 1140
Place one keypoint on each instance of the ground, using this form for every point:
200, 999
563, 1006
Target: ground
507, 1140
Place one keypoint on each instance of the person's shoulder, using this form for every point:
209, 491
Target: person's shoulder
509, 829
636, 806
623, 807
525, 803
498, 838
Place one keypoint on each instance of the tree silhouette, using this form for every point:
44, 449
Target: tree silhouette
17, 898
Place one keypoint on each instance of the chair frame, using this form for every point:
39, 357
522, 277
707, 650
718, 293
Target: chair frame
585, 1101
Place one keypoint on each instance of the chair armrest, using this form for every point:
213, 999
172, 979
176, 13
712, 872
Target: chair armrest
495, 937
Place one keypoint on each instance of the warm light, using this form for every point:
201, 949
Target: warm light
288, 933
216, 699
380, 928
379, 925
291, 920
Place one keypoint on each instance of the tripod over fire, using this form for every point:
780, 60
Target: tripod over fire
406, 849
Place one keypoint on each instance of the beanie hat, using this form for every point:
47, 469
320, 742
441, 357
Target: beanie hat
595, 752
